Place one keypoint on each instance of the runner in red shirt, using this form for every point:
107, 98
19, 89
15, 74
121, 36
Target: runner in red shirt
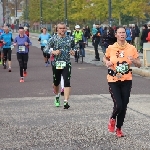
26, 31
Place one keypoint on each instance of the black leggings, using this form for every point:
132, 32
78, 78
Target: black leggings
96, 49
120, 93
66, 73
45, 54
23, 60
7, 54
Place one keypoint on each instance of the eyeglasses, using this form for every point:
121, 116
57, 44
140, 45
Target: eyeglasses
62, 28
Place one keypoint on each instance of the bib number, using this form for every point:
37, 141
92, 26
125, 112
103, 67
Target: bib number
60, 64
44, 41
122, 68
21, 48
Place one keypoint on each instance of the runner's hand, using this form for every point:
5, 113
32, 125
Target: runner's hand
26, 44
109, 63
72, 52
131, 59
57, 52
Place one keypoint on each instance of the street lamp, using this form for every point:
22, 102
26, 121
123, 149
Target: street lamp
66, 20
26, 11
109, 12
7, 15
1, 12
41, 13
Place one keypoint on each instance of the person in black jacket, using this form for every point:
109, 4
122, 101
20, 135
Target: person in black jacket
144, 36
96, 39
87, 34
108, 38
133, 34
137, 33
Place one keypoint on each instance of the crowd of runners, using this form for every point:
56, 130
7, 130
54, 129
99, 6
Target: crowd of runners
119, 54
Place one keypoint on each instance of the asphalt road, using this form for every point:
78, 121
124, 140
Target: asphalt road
86, 78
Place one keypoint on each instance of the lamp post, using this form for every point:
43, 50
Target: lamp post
16, 15
26, 11
66, 19
109, 12
8, 15
41, 14
3, 12
16, 9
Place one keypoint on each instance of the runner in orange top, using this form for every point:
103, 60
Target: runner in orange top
118, 58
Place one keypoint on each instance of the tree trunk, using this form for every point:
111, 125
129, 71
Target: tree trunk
138, 20
119, 19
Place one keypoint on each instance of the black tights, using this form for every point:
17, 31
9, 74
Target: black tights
7, 54
120, 93
23, 60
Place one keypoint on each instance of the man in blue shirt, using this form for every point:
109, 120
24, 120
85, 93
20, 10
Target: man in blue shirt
22, 41
1, 45
7, 40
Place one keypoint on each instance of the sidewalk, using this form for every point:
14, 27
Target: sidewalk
143, 71
33, 123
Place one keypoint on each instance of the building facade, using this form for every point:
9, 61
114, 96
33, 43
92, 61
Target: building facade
11, 10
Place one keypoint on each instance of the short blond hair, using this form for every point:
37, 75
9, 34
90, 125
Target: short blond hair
25, 28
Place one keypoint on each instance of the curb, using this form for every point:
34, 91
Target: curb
142, 72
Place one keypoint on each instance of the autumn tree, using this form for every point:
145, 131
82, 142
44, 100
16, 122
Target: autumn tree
81, 11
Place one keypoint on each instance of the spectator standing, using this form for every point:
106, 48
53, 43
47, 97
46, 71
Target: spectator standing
26, 31
12, 27
87, 34
137, 34
144, 36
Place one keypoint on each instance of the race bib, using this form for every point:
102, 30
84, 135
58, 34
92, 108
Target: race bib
122, 68
21, 48
44, 41
60, 64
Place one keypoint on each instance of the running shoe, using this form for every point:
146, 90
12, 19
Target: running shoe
111, 125
57, 101
119, 133
46, 64
24, 73
9, 69
21, 80
66, 105
4, 66
62, 92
